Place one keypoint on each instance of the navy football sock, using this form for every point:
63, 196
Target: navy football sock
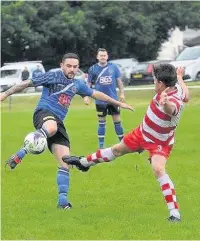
101, 133
119, 130
21, 153
63, 186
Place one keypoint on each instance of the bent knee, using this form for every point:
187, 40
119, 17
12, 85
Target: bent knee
119, 150
52, 130
116, 152
51, 127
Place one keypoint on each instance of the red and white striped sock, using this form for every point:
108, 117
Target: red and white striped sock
102, 155
168, 191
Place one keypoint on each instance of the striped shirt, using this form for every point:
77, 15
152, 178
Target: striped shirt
58, 92
159, 127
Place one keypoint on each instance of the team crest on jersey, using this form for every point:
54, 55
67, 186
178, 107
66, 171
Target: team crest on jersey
73, 89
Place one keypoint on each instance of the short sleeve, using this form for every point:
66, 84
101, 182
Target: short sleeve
46, 78
83, 89
181, 92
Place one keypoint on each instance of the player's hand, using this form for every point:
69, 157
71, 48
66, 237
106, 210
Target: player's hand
3, 96
122, 97
126, 106
180, 71
163, 97
86, 100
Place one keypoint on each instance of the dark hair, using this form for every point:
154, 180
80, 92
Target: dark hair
166, 73
101, 49
70, 56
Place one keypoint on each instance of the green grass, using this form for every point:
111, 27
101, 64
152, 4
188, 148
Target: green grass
111, 201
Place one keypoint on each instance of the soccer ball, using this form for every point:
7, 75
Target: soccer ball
35, 142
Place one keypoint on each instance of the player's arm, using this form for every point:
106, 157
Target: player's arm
86, 99
121, 89
170, 105
170, 108
48, 77
90, 76
16, 88
84, 90
180, 73
101, 96
119, 83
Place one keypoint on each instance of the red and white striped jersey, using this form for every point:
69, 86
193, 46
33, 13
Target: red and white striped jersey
159, 127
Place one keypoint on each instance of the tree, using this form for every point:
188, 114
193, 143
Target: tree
46, 30
17, 34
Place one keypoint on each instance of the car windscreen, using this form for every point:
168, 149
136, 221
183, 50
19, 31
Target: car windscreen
124, 62
141, 67
189, 54
10, 73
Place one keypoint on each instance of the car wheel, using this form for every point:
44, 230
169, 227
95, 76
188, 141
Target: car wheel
198, 76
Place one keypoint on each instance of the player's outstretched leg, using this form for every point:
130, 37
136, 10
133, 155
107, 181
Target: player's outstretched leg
15, 159
84, 163
75, 161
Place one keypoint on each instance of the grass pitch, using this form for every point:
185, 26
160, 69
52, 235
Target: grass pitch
111, 201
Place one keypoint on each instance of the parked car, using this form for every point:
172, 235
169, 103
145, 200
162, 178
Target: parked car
80, 74
125, 66
189, 58
123, 77
11, 73
142, 72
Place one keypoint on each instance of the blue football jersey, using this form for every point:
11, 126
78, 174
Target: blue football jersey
58, 91
104, 79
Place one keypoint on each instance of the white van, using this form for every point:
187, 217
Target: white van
11, 73
189, 58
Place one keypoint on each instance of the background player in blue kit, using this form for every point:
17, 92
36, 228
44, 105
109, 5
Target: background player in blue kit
105, 77
59, 88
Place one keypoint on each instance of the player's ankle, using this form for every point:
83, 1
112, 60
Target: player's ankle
17, 159
175, 213
84, 162
21, 153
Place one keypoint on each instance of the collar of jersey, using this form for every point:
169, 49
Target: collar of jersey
102, 66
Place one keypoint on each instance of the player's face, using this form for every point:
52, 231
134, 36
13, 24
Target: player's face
102, 57
70, 67
159, 85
